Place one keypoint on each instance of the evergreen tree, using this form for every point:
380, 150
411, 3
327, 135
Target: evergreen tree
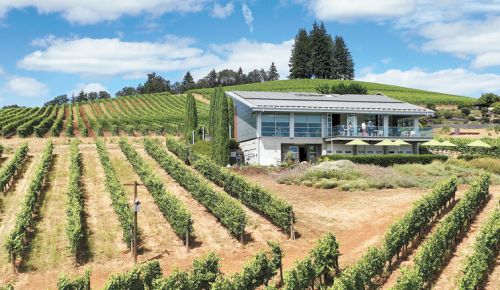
190, 117
230, 110
187, 82
211, 111
154, 84
240, 77
299, 61
343, 64
126, 91
272, 74
321, 47
220, 135
212, 78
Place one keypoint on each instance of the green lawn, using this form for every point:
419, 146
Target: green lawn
404, 94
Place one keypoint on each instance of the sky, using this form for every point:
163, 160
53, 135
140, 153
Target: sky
54, 47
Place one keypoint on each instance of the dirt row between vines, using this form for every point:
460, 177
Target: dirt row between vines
358, 219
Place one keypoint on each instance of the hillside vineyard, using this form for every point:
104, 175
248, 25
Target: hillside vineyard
156, 113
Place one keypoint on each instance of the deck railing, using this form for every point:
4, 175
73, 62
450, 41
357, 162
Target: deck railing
378, 131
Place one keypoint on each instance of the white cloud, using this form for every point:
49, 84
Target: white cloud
348, 10
93, 11
454, 81
250, 55
115, 57
112, 56
247, 14
2, 72
386, 60
26, 87
480, 39
220, 11
87, 88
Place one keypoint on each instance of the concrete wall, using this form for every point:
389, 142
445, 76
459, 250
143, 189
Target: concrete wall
246, 123
270, 147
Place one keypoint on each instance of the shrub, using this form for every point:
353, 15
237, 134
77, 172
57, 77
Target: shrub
341, 169
489, 164
78, 283
139, 278
387, 160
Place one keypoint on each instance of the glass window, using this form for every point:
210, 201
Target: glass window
307, 125
275, 125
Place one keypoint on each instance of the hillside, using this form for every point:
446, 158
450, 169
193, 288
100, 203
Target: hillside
137, 115
409, 95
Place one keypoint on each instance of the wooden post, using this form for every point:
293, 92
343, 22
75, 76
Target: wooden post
187, 240
134, 235
292, 230
13, 261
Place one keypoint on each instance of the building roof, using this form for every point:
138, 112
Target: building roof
313, 102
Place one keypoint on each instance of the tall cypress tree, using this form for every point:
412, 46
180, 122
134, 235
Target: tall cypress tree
299, 61
321, 46
211, 111
220, 135
230, 114
343, 65
190, 117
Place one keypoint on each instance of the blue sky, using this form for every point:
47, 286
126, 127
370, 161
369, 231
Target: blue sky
53, 47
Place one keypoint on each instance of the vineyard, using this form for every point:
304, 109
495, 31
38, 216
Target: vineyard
134, 115
66, 221
413, 96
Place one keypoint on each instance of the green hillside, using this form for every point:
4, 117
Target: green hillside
404, 94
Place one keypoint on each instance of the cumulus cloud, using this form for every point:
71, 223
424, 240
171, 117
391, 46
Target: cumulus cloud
479, 39
87, 88
220, 11
112, 56
458, 81
26, 87
250, 55
247, 14
349, 10
93, 11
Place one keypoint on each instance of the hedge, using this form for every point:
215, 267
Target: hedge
386, 160
278, 211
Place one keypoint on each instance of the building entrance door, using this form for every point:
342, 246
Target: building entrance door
302, 154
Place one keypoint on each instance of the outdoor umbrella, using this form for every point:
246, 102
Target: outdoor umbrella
386, 143
479, 143
356, 143
431, 143
400, 142
447, 144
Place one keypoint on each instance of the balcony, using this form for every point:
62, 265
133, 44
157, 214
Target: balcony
377, 132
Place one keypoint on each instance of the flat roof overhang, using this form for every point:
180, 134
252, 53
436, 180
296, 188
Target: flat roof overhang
378, 138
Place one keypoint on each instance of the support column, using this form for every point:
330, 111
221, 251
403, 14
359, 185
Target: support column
292, 125
386, 125
259, 130
416, 127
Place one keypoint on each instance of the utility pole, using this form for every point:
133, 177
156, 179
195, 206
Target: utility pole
136, 208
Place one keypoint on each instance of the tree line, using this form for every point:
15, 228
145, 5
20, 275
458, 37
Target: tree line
317, 55
225, 77
81, 97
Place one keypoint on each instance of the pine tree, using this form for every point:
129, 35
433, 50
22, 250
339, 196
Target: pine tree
299, 61
343, 64
240, 77
212, 78
220, 135
272, 74
190, 117
187, 81
321, 47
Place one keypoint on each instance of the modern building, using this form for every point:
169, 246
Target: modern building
269, 126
